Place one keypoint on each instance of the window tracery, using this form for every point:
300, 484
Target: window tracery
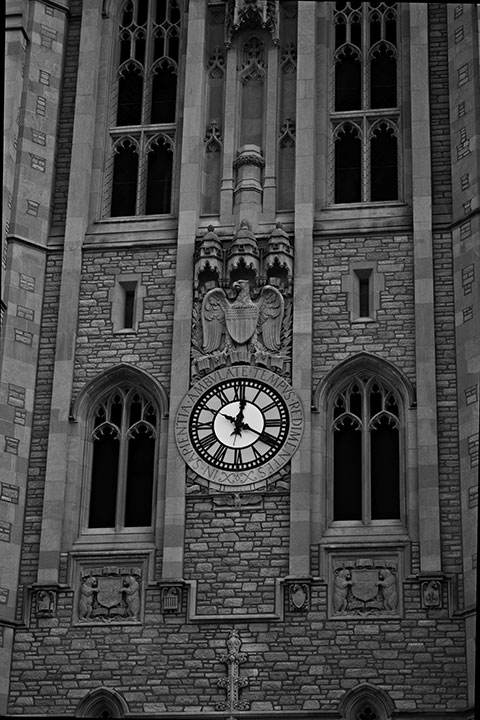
364, 92
367, 444
123, 441
144, 97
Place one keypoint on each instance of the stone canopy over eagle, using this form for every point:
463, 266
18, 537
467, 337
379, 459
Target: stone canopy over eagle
242, 318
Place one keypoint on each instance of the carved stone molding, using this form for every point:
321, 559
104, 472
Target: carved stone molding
365, 586
109, 594
249, 158
252, 14
233, 682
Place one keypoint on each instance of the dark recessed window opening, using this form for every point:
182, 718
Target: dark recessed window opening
164, 95
129, 306
130, 93
123, 461
366, 452
124, 186
383, 78
347, 459
159, 180
384, 160
364, 299
144, 93
348, 81
348, 180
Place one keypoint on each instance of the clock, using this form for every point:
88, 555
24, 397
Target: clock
238, 426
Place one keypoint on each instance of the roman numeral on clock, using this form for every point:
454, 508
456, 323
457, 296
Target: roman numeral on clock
220, 453
208, 440
268, 439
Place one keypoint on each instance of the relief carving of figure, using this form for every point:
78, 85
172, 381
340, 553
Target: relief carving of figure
87, 596
386, 581
343, 581
131, 590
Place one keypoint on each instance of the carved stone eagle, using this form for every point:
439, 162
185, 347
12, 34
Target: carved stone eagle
241, 318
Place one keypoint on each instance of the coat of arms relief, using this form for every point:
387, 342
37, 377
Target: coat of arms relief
365, 586
110, 594
243, 302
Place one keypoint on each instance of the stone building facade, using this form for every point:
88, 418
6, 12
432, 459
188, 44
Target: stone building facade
240, 357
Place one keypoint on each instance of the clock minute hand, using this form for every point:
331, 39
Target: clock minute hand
263, 436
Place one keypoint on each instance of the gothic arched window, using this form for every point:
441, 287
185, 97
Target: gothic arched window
365, 97
143, 115
367, 446
123, 447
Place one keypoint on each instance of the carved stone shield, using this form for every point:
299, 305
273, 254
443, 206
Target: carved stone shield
109, 591
241, 322
364, 586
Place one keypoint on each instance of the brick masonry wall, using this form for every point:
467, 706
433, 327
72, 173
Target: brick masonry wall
40, 423
439, 112
66, 118
335, 337
149, 348
235, 557
306, 662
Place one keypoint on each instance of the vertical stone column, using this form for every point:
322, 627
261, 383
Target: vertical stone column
427, 441
303, 285
76, 224
190, 184
32, 93
271, 136
231, 108
464, 96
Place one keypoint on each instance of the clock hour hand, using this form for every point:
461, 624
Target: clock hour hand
229, 417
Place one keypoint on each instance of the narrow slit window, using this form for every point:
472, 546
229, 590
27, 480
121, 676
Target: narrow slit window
129, 305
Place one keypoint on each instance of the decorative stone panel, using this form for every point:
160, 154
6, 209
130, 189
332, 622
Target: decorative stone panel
111, 593
365, 585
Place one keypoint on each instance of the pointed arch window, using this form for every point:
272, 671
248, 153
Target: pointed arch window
367, 447
365, 96
123, 446
143, 109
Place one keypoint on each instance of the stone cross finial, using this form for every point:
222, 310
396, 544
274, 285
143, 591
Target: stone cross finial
233, 682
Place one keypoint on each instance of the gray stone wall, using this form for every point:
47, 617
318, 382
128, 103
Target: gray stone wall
335, 337
40, 422
305, 662
235, 557
149, 347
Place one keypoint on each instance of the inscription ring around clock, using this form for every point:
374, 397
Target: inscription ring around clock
239, 425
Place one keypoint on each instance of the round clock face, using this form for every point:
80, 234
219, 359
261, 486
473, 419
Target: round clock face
238, 425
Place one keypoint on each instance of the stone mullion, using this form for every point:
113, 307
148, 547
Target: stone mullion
427, 436
189, 210
77, 221
230, 115
366, 461
270, 182
300, 501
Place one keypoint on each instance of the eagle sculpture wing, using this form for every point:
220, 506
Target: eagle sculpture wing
213, 318
271, 306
